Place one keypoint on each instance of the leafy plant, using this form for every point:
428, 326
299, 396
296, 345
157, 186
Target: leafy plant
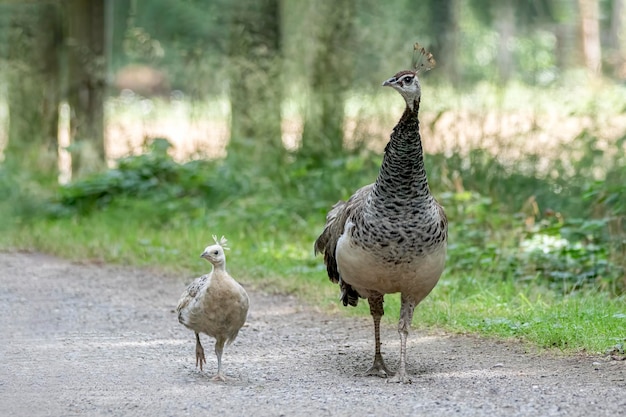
153, 175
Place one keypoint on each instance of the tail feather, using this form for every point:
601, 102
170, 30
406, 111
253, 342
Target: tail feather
349, 296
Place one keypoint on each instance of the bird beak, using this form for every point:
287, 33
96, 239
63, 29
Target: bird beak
389, 82
203, 254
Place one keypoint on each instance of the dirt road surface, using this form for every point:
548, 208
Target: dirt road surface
100, 340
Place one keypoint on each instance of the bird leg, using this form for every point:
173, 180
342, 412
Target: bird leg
406, 317
219, 348
200, 359
378, 368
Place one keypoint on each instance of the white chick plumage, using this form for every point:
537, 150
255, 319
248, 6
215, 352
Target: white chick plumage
214, 304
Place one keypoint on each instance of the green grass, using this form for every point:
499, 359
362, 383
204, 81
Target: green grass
592, 322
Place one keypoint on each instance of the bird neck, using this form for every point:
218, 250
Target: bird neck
219, 267
402, 176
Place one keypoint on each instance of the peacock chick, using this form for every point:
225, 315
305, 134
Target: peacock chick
214, 304
390, 236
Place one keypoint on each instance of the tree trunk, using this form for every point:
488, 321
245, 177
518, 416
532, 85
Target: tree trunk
331, 74
255, 85
86, 89
118, 15
566, 51
444, 27
34, 89
617, 39
590, 32
505, 27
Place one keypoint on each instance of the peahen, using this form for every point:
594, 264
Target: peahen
390, 236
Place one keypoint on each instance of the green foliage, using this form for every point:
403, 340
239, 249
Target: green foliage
152, 176
299, 187
571, 255
564, 255
21, 195
608, 202
607, 195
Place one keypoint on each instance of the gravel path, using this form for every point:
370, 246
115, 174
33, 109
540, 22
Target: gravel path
85, 339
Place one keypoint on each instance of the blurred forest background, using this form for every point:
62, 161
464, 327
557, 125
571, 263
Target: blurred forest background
133, 130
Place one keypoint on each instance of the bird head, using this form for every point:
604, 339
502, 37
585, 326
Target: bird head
215, 253
406, 82
408, 85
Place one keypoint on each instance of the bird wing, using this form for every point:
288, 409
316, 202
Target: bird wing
326, 243
191, 292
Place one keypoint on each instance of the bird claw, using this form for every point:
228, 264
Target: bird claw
397, 378
200, 361
200, 358
379, 372
379, 369
219, 377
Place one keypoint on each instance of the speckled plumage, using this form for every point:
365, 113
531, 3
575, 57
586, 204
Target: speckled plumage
214, 304
389, 236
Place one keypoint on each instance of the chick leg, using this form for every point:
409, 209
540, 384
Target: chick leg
378, 368
406, 317
219, 349
200, 359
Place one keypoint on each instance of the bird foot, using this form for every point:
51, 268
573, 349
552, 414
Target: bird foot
200, 358
378, 368
400, 377
219, 378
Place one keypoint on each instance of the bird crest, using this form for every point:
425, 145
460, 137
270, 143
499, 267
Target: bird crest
422, 59
223, 242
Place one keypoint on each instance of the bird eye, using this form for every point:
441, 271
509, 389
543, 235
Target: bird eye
407, 80
215, 252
